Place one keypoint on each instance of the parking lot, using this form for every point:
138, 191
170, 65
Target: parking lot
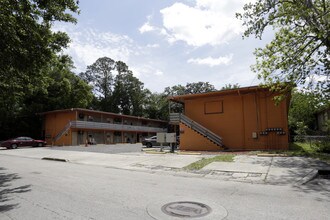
108, 149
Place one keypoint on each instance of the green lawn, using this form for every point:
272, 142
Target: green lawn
205, 161
302, 150
296, 149
306, 149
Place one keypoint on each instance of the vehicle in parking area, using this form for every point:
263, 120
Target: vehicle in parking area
22, 142
152, 141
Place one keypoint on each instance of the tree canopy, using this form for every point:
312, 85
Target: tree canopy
302, 112
115, 87
27, 47
129, 93
299, 52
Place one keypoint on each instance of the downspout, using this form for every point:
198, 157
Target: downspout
257, 109
243, 117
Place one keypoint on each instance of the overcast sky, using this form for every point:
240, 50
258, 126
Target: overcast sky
166, 42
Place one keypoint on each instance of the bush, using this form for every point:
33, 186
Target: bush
323, 145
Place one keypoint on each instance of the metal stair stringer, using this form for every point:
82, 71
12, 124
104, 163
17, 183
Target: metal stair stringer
62, 132
178, 117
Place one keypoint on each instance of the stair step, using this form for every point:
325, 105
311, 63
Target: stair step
198, 128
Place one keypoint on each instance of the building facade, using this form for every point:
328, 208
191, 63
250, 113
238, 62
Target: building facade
235, 119
77, 126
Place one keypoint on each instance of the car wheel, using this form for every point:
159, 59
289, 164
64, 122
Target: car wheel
148, 145
40, 145
14, 146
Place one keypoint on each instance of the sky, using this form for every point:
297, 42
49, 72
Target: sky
166, 42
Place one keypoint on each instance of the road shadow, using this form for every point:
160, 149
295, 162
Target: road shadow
6, 191
318, 186
297, 170
298, 162
300, 172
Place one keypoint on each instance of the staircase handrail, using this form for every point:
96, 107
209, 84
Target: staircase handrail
63, 131
179, 117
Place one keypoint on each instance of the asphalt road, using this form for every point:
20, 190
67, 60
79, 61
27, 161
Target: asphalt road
39, 189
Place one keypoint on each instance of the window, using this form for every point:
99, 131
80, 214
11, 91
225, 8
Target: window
214, 107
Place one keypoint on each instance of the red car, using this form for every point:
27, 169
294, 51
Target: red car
22, 142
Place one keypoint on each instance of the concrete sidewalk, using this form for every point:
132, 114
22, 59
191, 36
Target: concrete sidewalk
269, 170
245, 168
139, 161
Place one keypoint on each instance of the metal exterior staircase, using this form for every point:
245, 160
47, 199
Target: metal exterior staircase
176, 118
62, 132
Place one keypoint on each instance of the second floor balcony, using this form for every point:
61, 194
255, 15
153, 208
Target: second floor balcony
114, 127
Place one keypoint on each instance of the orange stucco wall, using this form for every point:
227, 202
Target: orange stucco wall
242, 115
195, 141
54, 123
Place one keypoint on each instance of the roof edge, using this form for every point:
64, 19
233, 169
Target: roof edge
100, 112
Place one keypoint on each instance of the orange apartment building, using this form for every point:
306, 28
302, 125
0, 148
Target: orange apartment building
236, 119
76, 126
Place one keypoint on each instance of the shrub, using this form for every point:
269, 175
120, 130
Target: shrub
323, 145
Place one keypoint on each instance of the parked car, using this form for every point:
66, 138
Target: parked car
152, 141
22, 142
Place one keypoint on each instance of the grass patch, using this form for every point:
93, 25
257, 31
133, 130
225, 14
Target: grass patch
298, 149
205, 161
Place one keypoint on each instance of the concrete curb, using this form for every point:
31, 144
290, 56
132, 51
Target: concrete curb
154, 152
55, 159
147, 149
272, 155
188, 153
312, 175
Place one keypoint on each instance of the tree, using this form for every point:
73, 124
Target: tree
156, 106
129, 94
230, 86
27, 44
190, 88
299, 53
99, 75
65, 89
199, 87
303, 106
59, 88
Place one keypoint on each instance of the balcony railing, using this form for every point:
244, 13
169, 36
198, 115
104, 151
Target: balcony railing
114, 127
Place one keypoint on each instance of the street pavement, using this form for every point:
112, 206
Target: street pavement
245, 168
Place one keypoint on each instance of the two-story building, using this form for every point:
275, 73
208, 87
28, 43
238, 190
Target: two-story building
77, 126
235, 119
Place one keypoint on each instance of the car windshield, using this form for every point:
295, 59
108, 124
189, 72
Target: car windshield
24, 139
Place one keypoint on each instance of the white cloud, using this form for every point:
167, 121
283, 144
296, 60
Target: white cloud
87, 45
209, 22
153, 45
210, 61
146, 70
146, 27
